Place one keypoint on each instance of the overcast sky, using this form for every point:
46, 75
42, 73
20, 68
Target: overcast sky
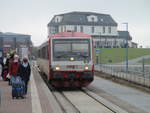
32, 16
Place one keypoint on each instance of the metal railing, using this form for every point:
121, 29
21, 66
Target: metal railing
135, 73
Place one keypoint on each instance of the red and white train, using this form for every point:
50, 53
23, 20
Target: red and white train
67, 59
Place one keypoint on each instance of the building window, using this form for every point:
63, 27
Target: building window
65, 28
75, 28
109, 29
92, 29
50, 30
56, 29
92, 19
53, 30
103, 29
81, 29
61, 28
57, 20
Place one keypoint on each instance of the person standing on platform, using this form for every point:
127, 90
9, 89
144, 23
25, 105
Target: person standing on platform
6, 67
24, 72
1, 64
13, 67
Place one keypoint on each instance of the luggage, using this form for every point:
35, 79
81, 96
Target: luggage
18, 87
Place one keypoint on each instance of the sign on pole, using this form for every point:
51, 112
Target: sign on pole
98, 50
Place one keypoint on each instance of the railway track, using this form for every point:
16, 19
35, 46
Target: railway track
80, 101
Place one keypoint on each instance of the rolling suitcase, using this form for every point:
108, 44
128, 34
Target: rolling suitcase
17, 87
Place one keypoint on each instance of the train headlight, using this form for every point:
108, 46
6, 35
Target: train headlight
86, 67
57, 68
72, 58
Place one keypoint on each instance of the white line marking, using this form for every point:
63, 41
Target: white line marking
36, 106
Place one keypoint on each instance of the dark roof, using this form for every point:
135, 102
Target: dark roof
9, 34
80, 18
43, 44
124, 34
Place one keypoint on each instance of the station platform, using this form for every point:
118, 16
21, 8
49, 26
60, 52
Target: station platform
38, 100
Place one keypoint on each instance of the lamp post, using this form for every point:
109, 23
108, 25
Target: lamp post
126, 52
99, 39
99, 47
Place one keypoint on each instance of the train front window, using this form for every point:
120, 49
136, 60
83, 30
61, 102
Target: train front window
63, 49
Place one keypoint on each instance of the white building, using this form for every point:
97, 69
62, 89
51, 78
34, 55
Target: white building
101, 27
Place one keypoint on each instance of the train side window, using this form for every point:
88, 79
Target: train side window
39, 53
47, 52
43, 52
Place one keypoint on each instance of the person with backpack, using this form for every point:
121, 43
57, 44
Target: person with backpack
24, 72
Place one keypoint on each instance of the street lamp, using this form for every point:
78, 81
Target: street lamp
99, 39
126, 52
99, 47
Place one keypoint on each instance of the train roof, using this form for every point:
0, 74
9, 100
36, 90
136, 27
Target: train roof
43, 44
69, 34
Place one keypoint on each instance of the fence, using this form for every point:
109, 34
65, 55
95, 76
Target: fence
136, 73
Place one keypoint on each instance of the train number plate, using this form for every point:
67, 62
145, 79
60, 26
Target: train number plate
70, 66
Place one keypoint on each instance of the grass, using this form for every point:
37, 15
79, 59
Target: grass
114, 55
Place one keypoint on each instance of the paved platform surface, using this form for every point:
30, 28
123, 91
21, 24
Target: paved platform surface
38, 100
132, 100
9, 105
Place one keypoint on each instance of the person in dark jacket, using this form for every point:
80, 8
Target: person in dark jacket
2, 65
24, 72
6, 67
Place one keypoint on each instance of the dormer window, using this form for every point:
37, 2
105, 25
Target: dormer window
58, 19
92, 18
